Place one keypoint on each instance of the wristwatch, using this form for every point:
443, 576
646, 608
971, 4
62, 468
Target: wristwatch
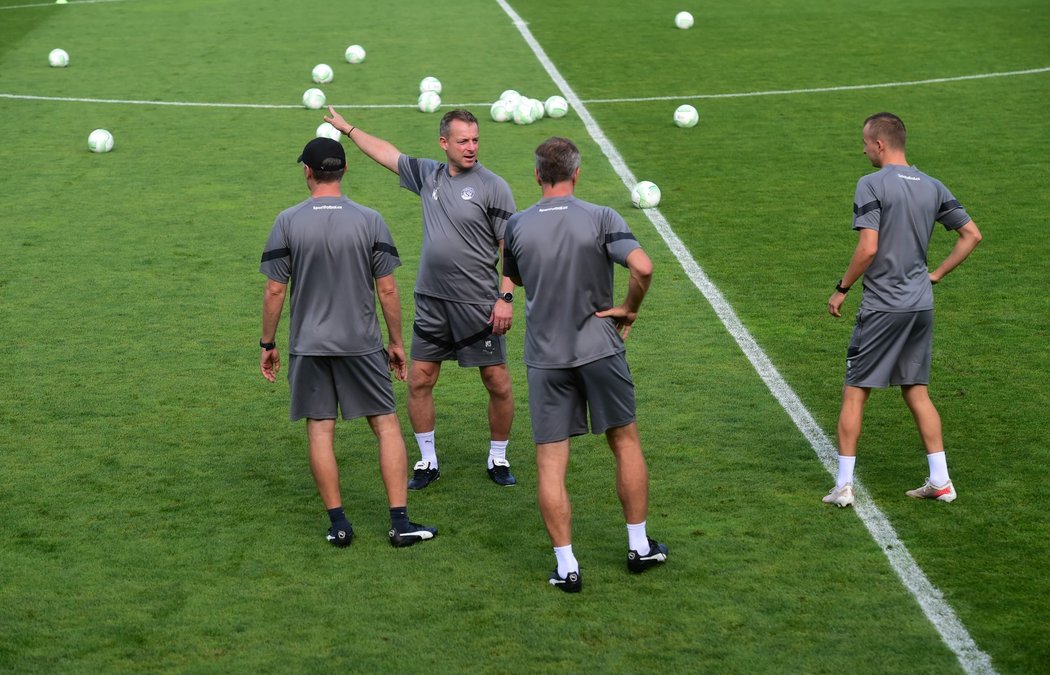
506, 297
267, 345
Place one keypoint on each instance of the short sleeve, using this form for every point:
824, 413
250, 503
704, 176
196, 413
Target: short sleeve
501, 207
277, 256
413, 171
619, 241
385, 258
867, 208
950, 212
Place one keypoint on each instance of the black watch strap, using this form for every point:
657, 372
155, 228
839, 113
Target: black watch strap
840, 288
267, 345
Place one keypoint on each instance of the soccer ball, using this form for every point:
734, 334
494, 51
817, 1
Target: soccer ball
313, 98
686, 116
326, 130
523, 112
556, 107
322, 73
430, 84
683, 20
355, 54
511, 96
501, 111
58, 58
429, 101
645, 195
100, 140
537, 108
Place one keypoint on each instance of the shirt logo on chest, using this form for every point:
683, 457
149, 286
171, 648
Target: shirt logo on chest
467, 194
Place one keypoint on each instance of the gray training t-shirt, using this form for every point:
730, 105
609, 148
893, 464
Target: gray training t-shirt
332, 249
463, 221
563, 250
901, 203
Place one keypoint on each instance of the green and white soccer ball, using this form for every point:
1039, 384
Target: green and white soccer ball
556, 107
511, 96
429, 102
355, 54
686, 116
314, 98
100, 140
683, 20
326, 130
58, 58
322, 73
430, 84
523, 112
501, 111
645, 195
537, 109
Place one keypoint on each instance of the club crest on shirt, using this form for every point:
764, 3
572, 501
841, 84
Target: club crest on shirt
467, 194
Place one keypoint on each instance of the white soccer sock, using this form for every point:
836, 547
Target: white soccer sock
938, 468
497, 450
426, 448
637, 539
566, 561
845, 471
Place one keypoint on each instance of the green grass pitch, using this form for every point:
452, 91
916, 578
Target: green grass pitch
156, 508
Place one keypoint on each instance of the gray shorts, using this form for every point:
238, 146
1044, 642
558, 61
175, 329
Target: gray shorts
460, 331
890, 348
359, 385
559, 398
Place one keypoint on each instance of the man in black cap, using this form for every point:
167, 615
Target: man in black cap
340, 254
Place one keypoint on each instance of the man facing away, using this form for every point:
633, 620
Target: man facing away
894, 211
338, 255
463, 307
562, 250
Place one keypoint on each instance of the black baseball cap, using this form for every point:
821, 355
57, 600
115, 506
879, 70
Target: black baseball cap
323, 154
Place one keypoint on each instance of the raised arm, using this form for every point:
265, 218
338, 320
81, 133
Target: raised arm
383, 152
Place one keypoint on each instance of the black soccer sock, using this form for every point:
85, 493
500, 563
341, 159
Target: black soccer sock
399, 518
337, 516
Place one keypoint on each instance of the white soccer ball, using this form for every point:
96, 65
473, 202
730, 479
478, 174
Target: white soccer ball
511, 96
556, 107
537, 109
58, 58
501, 111
645, 195
686, 116
523, 112
429, 101
355, 54
100, 140
313, 98
683, 20
326, 130
430, 84
322, 73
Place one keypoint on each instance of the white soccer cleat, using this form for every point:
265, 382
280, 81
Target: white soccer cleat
841, 497
942, 493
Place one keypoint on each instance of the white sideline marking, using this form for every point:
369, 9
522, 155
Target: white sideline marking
929, 597
52, 4
474, 104
816, 90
